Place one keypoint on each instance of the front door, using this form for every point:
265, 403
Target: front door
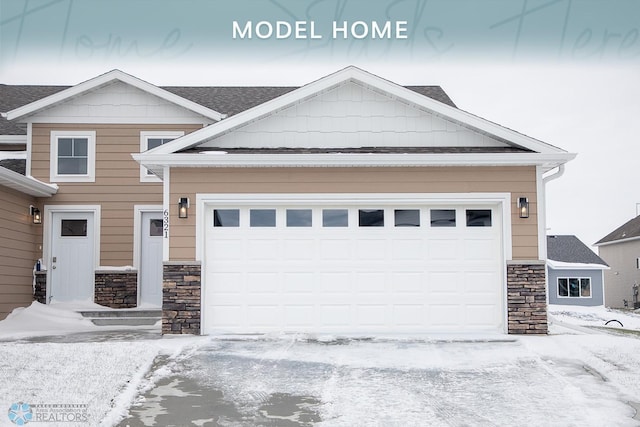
151, 259
71, 266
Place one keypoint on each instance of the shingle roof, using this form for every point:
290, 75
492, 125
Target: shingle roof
228, 100
628, 230
570, 249
16, 165
359, 150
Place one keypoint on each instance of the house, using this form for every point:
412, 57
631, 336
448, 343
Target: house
621, 250
575, 273
349, 205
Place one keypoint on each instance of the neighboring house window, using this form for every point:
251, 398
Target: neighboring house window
574, 287
73, 156
149, 141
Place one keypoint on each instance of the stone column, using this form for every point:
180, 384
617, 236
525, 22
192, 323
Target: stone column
181, 290
527, 297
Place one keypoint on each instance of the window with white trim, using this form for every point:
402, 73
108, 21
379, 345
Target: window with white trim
73, 156
574, 287
150, 140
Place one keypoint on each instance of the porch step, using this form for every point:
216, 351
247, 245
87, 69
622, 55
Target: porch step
123, 317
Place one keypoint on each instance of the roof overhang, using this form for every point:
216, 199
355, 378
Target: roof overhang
156, 162
613, 242
26, 184
103, 80
559, 265
13, 139
373, 82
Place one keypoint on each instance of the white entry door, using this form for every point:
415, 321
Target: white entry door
151, 259
72, 259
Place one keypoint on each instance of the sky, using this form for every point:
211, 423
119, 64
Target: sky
566, 72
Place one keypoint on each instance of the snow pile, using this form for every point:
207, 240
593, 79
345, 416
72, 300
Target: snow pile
595, 316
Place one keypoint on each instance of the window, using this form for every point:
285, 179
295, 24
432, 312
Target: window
371, 218
299, 217
262, 218
407, 218
443, 217
335, 218
155, 227
73, 156
573, 287
478, 217
149, 141
226, 218
73, 228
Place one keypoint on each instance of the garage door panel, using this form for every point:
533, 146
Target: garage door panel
340, 279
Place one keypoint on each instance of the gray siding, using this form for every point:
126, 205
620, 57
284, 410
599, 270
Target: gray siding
624, 272
596, 287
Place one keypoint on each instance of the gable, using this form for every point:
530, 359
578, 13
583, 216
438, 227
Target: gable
117, 102
352, 115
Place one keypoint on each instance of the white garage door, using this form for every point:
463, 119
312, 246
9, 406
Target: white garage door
353, 269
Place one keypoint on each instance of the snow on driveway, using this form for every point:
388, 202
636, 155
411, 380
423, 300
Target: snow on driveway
569, 378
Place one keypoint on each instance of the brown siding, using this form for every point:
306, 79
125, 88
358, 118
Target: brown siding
117, 187
520, 181
18, 236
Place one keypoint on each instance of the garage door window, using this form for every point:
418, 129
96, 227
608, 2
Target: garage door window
335, 218
407, 218
443, 217
371, 218
299, 218
226, 218
262, 217
478, 217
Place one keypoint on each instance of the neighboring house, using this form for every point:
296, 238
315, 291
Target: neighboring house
621, 250
575, 272
349, 205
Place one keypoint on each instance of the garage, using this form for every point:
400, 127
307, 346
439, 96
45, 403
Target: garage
352, 264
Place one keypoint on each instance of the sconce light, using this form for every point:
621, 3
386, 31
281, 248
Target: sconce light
183, 207
523, 207
35, 215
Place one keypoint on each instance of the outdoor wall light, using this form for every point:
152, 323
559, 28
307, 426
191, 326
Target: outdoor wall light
35, 214
183, 207
523, 207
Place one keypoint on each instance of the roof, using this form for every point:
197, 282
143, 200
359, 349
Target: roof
627, 231
229, 100
16, 165
354, 150
26, 184
570, 249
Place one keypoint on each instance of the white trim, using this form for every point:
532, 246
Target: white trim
154, 161
580, 284
407, 199
613, 242
144, 146
29, 148
103, 80
26, 184
90, 176
559, 265
13, 139
166, 217
138, 210
47, 233
353, 74
542, 214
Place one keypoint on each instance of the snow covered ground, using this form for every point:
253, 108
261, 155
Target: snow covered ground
575, 376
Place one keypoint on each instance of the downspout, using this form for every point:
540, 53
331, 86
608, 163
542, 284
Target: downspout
557, 174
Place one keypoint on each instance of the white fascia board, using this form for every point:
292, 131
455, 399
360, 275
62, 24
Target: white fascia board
156, 161
613, 242
13, 139
372, 82
26, 184
105, 79
559, 265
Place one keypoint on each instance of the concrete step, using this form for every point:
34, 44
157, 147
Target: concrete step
125, 317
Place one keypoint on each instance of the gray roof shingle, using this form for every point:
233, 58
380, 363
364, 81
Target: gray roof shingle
16, 165
227, 100
628, 230
571, 249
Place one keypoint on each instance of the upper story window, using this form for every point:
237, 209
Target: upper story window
149, 141
73, 156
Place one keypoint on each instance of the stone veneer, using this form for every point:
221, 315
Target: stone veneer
40, 289
181, 298
116, 288
527, 297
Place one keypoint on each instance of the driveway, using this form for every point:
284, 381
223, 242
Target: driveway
294, 382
